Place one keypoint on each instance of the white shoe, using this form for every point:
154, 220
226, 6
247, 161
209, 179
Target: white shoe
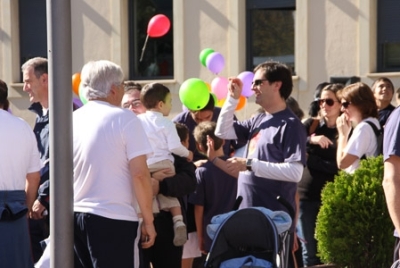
180, 234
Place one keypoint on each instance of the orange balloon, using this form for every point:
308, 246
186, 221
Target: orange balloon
76, 80
241, 104
221, 102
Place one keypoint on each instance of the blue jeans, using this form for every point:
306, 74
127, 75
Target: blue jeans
308, 217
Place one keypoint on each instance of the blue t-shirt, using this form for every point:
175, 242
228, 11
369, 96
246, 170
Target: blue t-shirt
276, 138
391, 138
186, 119
216, 192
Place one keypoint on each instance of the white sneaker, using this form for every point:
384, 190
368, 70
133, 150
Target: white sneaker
180, 235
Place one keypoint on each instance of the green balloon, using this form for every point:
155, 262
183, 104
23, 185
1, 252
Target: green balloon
82, 97
204, 54
194, 94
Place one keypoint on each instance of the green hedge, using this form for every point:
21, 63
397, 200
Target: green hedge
354, 228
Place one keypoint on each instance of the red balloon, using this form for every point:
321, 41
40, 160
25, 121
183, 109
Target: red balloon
158, 26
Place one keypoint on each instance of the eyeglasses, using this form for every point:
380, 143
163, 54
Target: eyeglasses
258, 82
346, 104
134, 104
329, 102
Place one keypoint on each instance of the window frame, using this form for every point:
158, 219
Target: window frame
264, 4
135, 52
385, 32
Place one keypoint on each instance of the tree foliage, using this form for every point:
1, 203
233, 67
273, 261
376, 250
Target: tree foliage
354, 228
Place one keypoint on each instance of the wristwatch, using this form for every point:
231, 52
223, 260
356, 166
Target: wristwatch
248, 163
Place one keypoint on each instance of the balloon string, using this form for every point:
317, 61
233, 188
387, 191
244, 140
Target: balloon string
144, 48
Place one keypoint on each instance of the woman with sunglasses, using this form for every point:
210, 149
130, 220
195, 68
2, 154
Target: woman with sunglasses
321, 165
358, 106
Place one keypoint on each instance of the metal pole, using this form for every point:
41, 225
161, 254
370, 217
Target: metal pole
60, 108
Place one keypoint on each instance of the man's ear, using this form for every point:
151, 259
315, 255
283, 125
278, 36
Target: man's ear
44, 78
278, 85
112, 91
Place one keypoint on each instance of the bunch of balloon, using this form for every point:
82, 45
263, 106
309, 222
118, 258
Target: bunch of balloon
158, 26
194, 94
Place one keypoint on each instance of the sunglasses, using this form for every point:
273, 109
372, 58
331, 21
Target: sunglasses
346, 104
258, 82
329, 102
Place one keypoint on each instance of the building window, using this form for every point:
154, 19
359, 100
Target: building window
270, 32
158, 58
32, 29
388, 36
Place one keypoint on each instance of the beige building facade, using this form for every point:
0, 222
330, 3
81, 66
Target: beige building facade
333, 38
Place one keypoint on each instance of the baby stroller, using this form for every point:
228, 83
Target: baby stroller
250, 234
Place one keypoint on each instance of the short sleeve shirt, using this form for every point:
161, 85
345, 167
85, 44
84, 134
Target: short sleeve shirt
216, 192
105, 139
391, 138
362, 142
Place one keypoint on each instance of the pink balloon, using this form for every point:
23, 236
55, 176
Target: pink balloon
158, 26
215, 62
247, 79
219, 86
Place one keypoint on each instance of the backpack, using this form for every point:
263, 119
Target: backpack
379, 136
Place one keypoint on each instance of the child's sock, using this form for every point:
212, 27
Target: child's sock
177, 218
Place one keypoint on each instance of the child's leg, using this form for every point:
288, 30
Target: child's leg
175, 211
172, 204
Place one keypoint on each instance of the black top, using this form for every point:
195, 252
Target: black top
383, 114
321, 162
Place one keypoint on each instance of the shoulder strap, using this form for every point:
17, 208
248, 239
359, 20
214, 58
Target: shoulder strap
375, 129
313, 126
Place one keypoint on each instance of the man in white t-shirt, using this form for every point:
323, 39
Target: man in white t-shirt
110, 173
19, 182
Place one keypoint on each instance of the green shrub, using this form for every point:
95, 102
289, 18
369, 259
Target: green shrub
354, 228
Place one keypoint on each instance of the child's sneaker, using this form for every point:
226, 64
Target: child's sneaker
180, 235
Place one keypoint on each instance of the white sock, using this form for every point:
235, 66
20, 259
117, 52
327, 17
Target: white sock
177, 218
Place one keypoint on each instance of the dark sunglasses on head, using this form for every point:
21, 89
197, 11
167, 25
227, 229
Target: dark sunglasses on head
346, 104
329, 102
258, 82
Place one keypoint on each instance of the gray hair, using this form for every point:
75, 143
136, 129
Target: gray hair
97, 78
38, 64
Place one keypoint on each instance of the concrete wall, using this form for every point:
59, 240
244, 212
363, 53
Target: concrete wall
333, 38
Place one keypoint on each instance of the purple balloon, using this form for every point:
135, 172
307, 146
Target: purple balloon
77, 102
247, 79
215, 62
184, 108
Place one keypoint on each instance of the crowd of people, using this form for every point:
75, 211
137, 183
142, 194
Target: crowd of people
154, 183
